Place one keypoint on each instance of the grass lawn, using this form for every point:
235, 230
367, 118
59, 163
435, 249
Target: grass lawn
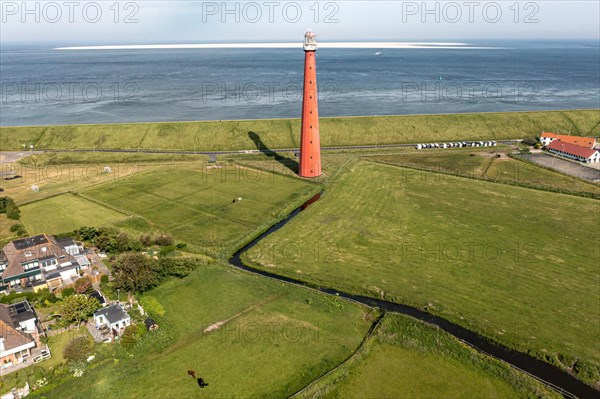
408, 359
65, 213
57, 344
285, 133
5, 225
56, 178
195, 204
506, 261
483, 164
276, 339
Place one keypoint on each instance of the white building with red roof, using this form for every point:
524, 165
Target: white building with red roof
572, 151
546, 138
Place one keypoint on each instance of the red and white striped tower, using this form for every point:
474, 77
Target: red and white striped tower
310, 143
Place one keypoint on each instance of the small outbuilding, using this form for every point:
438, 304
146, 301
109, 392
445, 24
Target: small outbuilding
151, 325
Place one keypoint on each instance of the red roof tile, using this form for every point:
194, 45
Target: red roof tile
588, 142
571, 149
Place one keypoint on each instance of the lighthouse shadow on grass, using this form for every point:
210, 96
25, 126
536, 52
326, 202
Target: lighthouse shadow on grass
289, 163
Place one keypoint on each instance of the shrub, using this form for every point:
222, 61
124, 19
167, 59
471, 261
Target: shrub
12, 211
152, 306
87, 233
163, 239
586, 372
146, 239
530, 141
67, 292
104, 279
178, 267
130, 336
8, 206
78, 350
83, 284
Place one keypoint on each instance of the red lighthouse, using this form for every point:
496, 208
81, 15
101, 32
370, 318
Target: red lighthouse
310, 143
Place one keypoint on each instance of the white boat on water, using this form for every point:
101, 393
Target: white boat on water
378, 53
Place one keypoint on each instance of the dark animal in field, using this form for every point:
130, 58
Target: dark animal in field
201, 383
192, 373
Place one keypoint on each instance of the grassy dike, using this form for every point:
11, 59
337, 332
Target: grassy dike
285, 133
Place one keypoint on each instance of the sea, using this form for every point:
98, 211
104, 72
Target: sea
44, 86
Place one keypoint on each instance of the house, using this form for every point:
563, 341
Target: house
19, 333
578, 153
113, 317
547, 138
40, 262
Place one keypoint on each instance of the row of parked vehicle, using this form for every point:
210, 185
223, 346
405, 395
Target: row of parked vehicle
457, 144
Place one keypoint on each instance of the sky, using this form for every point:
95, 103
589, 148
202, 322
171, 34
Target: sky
76, 22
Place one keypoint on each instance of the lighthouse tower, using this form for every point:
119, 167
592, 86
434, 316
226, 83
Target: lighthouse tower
310, 143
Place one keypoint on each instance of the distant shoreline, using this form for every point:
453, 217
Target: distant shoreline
296, 45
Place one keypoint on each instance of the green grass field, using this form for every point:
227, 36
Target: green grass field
195, 204
65, 213
275, 340
408, 359
506, 261
285, 133
483, 164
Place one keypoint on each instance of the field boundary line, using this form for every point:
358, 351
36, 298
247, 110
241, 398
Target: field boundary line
360, 346
541, 380
100, 203
582, 194
44, 198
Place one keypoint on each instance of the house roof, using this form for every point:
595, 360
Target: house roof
113, 313
40, 247
24, 243
13, 338
65, 241
96, 294
572, 149
149, 322
588, 142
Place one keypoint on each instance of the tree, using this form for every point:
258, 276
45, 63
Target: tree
83, 284
77, 308
135, 272
87, 233
12, 211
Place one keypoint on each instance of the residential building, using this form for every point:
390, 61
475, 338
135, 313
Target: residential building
572, 151
19, 333
40, 262
114, 317
547, 138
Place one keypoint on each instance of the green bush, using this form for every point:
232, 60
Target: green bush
129, 337
178, 267
163, 239
67, 292
152, 306
12, 211
586, 372
78, 350
104, 279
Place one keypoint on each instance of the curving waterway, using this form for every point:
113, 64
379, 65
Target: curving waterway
562, 381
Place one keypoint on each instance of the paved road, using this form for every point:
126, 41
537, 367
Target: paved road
564, 166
